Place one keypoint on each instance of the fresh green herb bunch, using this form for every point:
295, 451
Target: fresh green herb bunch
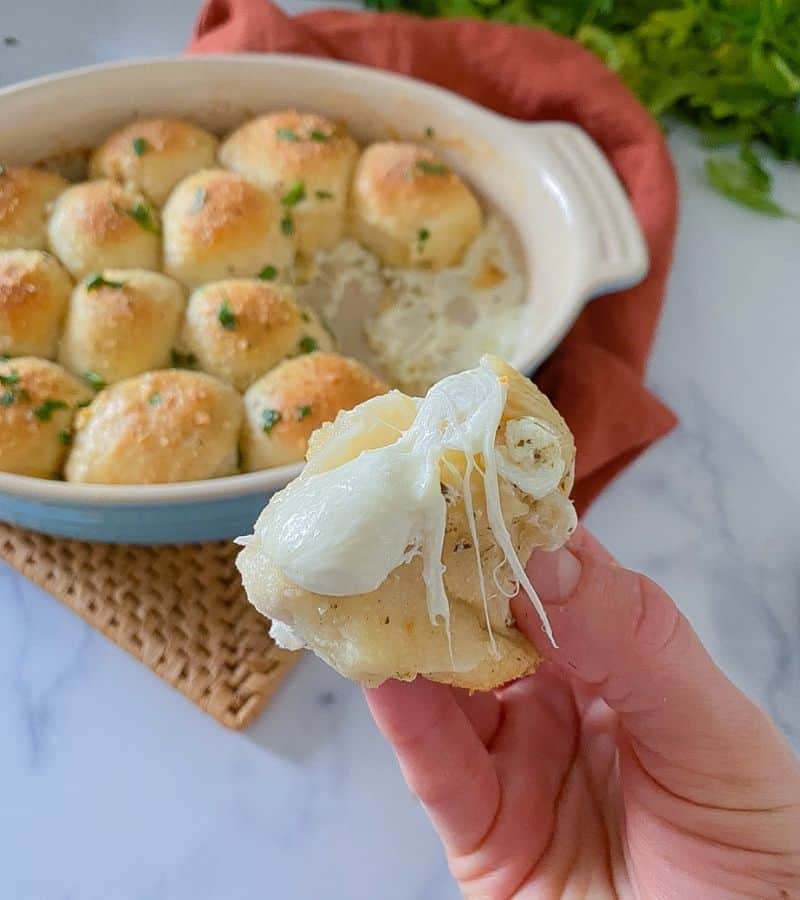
731, 68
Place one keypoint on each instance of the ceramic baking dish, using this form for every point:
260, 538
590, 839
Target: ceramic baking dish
577, 230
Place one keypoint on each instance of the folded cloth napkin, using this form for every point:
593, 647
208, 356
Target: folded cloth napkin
595, 375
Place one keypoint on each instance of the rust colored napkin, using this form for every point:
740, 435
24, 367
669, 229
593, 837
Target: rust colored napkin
595, 375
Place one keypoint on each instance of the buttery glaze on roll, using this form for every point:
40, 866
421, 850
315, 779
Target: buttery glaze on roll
38, 401
410, 208
240, 328
159, 427
219, 225
121, 322
25, 198
307, 161
100, 225
395, 552
154, 154
284, 407
34, 292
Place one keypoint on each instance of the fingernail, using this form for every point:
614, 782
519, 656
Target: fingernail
555, 574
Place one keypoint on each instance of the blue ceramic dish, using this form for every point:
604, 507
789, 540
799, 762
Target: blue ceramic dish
576, 228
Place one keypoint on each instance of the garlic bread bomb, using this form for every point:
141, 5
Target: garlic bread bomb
219, 225
100, 225
121, 322
307, 161
34, 292
239, 328
159, 427
397, 549
153, 155
410, 208
284, 406
25, 199
38, 401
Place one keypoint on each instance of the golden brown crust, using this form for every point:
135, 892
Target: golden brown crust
302, 151
303, 393
159, 427
240, 328
154, 154
124, 326
38, 400
411, 208
219, 225
103, 225
34, 292
25, 198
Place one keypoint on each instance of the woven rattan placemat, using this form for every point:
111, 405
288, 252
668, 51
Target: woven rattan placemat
180, 610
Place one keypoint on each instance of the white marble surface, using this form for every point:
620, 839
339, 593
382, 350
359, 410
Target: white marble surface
114, 787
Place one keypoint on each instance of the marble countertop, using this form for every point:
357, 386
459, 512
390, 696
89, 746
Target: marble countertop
113, 786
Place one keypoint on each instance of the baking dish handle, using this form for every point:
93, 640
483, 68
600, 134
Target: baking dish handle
614, 249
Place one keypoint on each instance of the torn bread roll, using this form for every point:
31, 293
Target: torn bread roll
395, 553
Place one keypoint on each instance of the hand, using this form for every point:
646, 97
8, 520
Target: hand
627, 766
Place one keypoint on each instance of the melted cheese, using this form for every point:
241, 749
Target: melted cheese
342, 531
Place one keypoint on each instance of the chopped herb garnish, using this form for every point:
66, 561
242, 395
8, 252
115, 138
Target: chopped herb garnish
199, 200
143, 216
429, 132
10, 380
319, 136
93, 282
95, 380
7, 398
287, 224
287, 134
65, 437
140, 146
155, 399
307, 344
303, 412
422, 237
323, 195
226, 316
431, 168
268, 273
296, 194
269, 419
45, 410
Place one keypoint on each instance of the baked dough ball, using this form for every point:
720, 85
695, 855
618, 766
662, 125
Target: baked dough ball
284, 407
219, 225
100, 225
158, 427
307, 161
411, 209
34, 291
25, 198
154, 155
240, 328
121, 322
38, 400
394, 521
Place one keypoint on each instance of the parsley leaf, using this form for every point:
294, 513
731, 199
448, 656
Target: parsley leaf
431, 168
93, 282
268, 273
296, 194
269, 419
226, 316
307, 344
144, 218
303, 412
95, 380
45, 410
287, 134
140, 146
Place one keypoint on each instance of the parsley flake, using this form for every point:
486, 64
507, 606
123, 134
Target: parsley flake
45, 410
269, 419
226, 316
140, 146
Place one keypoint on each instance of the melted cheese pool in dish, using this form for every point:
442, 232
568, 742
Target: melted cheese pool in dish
415, 326
398, 548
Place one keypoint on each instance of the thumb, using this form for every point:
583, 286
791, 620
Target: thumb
621, 635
